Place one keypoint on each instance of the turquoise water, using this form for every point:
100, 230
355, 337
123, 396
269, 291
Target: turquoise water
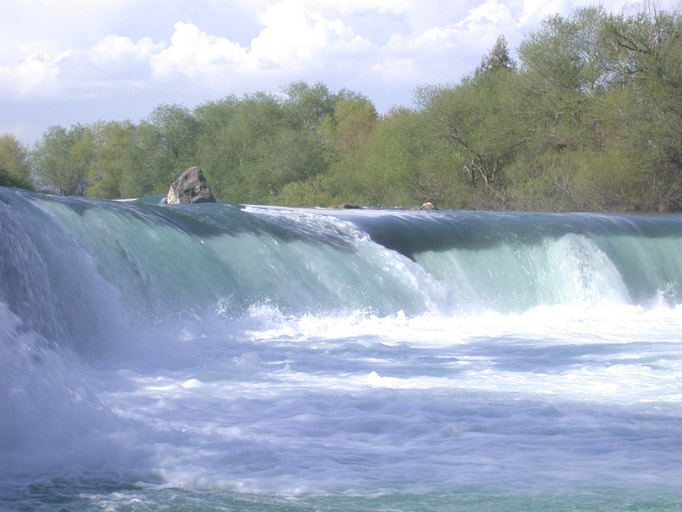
220, 357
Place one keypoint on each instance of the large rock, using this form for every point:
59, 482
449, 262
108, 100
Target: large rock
190, 187
425, 206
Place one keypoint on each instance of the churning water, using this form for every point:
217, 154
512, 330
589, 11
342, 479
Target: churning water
218, 357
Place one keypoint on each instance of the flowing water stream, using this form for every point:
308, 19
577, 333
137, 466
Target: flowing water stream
221, 357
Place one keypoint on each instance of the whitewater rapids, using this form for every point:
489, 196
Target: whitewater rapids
222, 357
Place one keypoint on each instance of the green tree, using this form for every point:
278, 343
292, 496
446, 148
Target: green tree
61, 159
573, 111
341, 140
479, 120
563, 64
344, 133
306, 105
237, 143
174, 130
408, 166
498, 59
569, 54
252, 147
157, 150
649, 47
114, 148
15, 168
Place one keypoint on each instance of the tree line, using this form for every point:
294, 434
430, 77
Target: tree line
589, 118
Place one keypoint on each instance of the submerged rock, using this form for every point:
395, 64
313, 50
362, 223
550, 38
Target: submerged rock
190, 187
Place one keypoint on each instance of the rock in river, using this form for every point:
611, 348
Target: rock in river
190, 187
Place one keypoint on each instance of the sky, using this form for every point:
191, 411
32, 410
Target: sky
81, 61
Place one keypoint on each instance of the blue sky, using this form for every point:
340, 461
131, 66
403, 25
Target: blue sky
69, 61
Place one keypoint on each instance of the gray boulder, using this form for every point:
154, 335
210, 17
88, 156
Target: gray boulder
190, 187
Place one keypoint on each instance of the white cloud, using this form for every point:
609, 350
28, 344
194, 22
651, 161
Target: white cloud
75, 5
113, 47
295, 35
292, 35
395, 70
33, 75
77, 72
193, 52
343, 7
535, 10
491, 12
380, 6
292, 38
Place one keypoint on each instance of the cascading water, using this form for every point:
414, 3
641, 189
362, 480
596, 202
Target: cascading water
220, 357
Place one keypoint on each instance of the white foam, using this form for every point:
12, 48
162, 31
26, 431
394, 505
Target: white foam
315, 404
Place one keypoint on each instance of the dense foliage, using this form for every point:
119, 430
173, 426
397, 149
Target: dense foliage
15, 170
589, 118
